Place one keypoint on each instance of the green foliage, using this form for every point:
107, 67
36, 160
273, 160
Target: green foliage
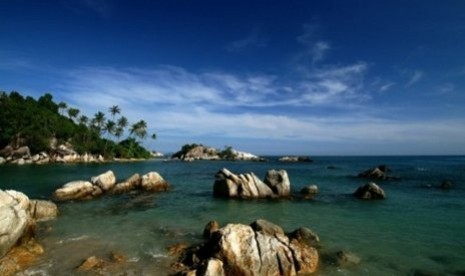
185, 149
25, 121
227, 153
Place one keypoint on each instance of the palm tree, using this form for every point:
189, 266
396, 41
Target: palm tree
62, 106
83, 120
114, 110
110, 127
118, 132
122, 123
139, 129
73, 113
98, 121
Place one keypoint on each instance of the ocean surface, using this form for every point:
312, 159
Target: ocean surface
418, 230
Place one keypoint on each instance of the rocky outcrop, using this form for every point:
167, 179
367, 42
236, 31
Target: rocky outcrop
378, 173
105, 184
200, 152
238, 249
294, 159
248, 185
18, 217
279, 182
309, 192
370, 191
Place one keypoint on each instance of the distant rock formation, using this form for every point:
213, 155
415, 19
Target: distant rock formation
18, 217
194, 152
370, 191
260, 248
378, 173
293, 159
230, 185
106, 184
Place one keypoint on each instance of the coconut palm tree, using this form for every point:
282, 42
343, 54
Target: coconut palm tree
83, 120
62, 106
73, 113
114, 110
98, 121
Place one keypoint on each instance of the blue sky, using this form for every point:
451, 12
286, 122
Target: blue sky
268, 77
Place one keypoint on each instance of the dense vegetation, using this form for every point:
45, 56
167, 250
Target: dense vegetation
25, 121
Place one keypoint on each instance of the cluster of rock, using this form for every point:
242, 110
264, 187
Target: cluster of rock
294, 159
18, 217
378, 173
230, 185
200, 152
60, 154
261, 248
106, 184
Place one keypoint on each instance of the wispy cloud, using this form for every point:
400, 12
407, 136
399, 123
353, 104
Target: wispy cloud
314, 49
253, 39
416, 76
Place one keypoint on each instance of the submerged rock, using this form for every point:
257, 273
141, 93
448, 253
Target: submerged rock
346, 258
446, 185
309, 192
295, 159
239, 249
370, 191
230, 185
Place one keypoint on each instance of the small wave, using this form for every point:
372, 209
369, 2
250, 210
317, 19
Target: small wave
73, 239
421, 169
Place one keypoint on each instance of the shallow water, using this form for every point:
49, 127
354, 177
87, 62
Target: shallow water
416, 229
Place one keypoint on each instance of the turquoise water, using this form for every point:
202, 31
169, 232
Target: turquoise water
417, 229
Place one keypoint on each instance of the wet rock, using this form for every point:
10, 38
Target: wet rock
279, 182
153, 181
446, 185
132, 183
210, 228
106, 181
238, 249
91, 263
176, 249
80, 190
306, 236
309, 192
378, 173
43, 210
20, 257
370, 191
346, 258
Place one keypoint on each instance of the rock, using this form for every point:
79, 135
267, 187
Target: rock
378, 173
7, 151
77, 190
241, 155
106, 181
346, 258
309, 192
370, 191
176, 249
210, 228
22, 152
306, 236
153, 181
295, 159
132, 183
43, 210
2, 160
247, 185
279, 182
20, 257
266, 227
91, 263
237, 249
446, 185
15, 220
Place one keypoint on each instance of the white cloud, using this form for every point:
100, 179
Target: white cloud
319, 50
416, 77
253, 39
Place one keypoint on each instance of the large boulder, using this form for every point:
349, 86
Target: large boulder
77, 190
370, 191
154, 182
378, 173
106, 181
15, 219
238, 249
43, 210
2, 160
247, 185
22, 152
132, 183
279, 182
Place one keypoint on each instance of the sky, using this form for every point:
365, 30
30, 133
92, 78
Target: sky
323, 77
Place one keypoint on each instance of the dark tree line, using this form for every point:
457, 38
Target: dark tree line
25, 121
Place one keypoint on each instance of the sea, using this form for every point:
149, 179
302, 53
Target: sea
419, 229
